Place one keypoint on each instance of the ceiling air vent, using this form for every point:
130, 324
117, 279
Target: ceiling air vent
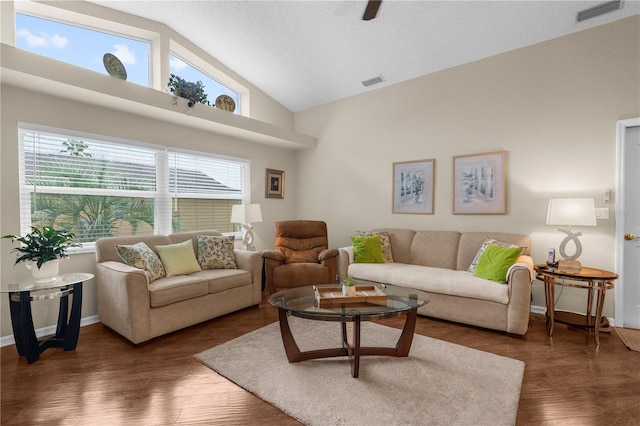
598, 10
372, 81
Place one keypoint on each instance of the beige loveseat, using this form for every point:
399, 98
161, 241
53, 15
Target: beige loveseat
139, 310
437, 262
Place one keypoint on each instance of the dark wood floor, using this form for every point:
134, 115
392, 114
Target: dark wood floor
107, 380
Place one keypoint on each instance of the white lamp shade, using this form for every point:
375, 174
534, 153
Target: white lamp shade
246, 213
571, 212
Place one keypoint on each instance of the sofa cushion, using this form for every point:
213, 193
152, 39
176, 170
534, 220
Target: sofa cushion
476, 259
224, 279
166, 291
496, 261
400, 239
385, 244
139, 255
429, 279
367, 249
216, 252
178, 259
106, 247
438, 249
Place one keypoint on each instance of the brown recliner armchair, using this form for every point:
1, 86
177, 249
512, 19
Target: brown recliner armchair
301, 256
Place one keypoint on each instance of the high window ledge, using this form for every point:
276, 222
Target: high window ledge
45, 75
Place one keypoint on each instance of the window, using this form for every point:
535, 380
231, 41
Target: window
82, 46
97, 187
212, 87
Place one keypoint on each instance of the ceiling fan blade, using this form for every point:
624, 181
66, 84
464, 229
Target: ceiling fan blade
371, 10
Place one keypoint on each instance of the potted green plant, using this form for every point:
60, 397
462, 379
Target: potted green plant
193, 92
349, 286
43, 247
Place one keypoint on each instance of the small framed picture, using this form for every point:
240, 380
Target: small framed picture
413, 187
479, 183
274, 184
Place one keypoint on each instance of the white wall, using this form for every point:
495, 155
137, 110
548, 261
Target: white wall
553, 107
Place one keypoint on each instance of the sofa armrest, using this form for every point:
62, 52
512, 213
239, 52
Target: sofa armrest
123, 300
345, 258
525, 262
113, 267
519, 279
251, 261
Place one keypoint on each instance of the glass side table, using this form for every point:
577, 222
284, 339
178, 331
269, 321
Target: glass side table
22, 293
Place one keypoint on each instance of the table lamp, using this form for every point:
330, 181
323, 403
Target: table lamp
246, 214
570, 212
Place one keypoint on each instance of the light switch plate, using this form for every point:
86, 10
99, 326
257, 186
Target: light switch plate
602, 213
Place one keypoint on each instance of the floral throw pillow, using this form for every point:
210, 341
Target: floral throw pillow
385, 242
215, 252
474, 263
141, 256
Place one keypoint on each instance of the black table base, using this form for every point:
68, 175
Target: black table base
67, 329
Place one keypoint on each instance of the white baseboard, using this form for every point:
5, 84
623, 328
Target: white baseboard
48, 331
538, 309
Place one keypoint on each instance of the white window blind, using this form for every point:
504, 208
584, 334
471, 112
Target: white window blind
97, 188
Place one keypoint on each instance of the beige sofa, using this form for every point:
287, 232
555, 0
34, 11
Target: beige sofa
139, 310
437, 262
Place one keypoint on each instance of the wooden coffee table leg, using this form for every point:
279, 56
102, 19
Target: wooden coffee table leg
290, 346
354, 349
406, 338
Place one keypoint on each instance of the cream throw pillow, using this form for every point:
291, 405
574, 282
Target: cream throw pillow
178, 259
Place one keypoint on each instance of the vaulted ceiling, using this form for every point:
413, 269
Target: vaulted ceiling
306, 53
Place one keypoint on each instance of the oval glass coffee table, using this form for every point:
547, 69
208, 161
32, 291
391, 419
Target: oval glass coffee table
325, 303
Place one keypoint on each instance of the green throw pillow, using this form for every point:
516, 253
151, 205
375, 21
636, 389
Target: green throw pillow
385, 244
178, 259
367, 249
496, 261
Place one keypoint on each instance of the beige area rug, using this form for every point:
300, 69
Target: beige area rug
630, 337
439, 383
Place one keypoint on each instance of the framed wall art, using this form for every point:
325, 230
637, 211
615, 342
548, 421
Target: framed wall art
413, 187
274, 184
479, 183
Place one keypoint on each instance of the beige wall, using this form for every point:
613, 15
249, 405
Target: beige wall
552, 106
19, 105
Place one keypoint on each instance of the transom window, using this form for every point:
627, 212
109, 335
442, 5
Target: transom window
212, 87
83, 47
100, 187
